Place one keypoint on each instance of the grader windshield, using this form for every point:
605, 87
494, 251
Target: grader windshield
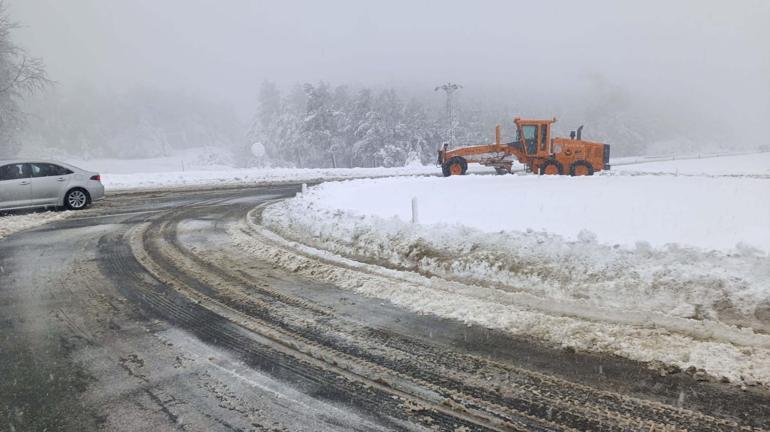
530, 138
535, 135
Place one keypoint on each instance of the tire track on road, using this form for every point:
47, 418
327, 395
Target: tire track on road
158, 251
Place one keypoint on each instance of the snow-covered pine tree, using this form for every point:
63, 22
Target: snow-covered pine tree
368, 129
264, 128
394, 144
288, 138
340, 148
422, 139
318, 126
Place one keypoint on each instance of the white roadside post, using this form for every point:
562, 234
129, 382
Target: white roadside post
415, 213
302, 191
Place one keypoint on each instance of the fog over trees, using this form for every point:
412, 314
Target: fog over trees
20, 76
141, 123
324, 125
351, 85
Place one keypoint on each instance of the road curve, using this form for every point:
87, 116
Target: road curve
143, 314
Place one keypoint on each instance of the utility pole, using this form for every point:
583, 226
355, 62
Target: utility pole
450, 88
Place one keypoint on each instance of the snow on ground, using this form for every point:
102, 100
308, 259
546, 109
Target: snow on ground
675, 244
12, 223
174, 172
210, 167
707, 213
687, 254
245, 176
757, 164
740, 355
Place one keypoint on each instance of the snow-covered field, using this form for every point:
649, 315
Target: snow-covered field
757, 164
689, 255
708, 213
205, 167
139, 178
211, 168
234, 176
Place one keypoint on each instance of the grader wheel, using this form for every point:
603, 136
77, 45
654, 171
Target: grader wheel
455, 166
551, 167
581, 168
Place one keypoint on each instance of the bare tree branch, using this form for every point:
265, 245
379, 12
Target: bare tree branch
30, 77
20, 76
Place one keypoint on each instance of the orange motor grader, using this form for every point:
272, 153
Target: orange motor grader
534, 147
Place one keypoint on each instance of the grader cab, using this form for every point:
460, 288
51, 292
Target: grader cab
534, 147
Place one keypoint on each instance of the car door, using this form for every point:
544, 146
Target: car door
14, 185
47, 183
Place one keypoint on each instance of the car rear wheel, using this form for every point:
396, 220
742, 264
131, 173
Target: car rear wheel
76, 199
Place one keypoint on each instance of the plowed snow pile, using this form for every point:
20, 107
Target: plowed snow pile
10, 224
709, 213
682, 254
162, 173
249, 176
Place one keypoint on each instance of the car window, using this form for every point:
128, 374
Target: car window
46, 169
14, 171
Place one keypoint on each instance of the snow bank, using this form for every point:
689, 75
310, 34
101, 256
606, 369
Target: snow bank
689, 256
10, 224
213, 167
246, 176
478, 230
740, 355
233, 176
725, 214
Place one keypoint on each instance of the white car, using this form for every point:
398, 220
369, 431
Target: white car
33, 183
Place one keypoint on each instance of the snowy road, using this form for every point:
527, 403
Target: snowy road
143, 314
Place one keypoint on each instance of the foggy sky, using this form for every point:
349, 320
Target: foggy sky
713, 54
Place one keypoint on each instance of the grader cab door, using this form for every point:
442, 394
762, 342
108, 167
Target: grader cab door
536, 139
545, 139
